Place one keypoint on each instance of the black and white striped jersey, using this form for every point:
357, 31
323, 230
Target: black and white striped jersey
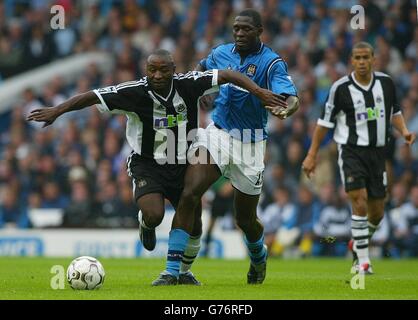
160, 128
361, 115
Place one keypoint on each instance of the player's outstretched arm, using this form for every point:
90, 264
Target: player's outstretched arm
309, 163
48, 115
398, 122
266, 97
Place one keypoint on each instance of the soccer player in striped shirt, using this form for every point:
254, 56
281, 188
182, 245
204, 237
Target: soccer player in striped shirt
360, 108
162, 120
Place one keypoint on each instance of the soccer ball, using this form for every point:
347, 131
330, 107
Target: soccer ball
85, 273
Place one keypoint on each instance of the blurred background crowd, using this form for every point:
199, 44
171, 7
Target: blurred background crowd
78, 164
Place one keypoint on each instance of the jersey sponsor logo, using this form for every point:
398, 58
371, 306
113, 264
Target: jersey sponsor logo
169, 121
251, 70
370, 114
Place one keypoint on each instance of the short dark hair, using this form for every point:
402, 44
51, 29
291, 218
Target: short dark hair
162, 53
252, 14
363, 45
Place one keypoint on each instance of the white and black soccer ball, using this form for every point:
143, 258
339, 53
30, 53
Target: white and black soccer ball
85, 273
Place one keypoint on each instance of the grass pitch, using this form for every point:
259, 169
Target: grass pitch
29, 278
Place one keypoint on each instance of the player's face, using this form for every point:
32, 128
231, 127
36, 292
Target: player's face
362, 61
160, 72
245, 34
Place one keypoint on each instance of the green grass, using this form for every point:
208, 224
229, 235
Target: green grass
29, 278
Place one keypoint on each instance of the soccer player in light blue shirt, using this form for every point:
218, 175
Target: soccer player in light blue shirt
239, 119
236, 108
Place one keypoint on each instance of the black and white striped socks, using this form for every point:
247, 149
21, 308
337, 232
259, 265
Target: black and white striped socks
360, 233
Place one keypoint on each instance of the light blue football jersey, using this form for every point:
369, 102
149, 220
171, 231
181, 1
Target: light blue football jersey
236, 110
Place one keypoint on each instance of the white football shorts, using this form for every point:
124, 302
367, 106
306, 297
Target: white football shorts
242, 163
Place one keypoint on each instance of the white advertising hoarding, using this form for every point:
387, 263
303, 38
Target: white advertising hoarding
107, 242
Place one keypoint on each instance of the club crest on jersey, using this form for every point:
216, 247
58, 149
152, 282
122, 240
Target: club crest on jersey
180, 108
251, 70
379, 99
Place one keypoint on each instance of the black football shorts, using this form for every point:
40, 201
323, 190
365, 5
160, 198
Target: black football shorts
363, 167
150, 177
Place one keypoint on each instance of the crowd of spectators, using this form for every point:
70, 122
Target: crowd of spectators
78, 164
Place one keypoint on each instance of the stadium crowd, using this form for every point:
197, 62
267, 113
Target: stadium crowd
78, 164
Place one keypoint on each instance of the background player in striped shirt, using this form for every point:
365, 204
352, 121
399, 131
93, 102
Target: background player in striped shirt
162, 119
360, 108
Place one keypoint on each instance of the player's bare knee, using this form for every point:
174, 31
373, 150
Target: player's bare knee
152, 218
190, 197
359, 203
